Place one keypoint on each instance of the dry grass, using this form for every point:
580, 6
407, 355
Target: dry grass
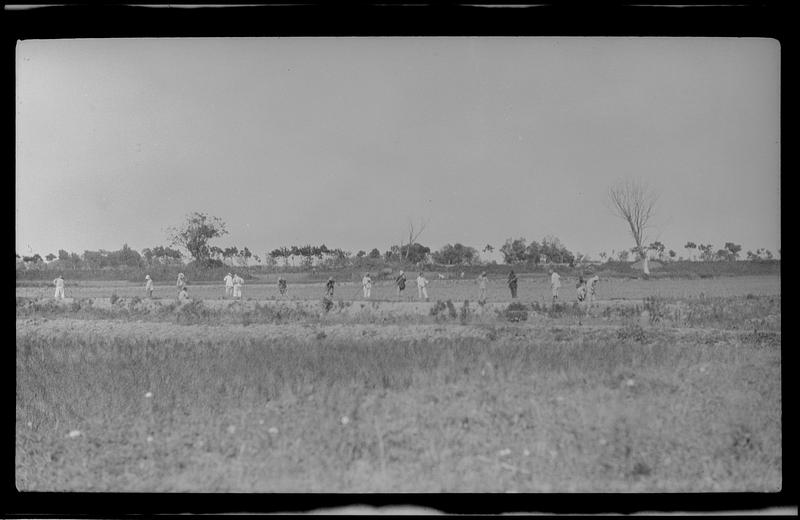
515, 408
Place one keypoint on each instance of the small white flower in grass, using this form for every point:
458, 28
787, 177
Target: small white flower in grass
149, 395
73, 434
630, 382
231, 429
273, 431
504, 453
149, 438
526, 453
30, 424
702, 370
345, 419
261, 421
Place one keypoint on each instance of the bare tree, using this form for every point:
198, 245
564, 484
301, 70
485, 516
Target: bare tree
633, 202
413, 235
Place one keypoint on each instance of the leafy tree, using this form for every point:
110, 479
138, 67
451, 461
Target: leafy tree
456, 254
623, 255
555, 251
603, 255
50, 257
375, 254
690, 246
672, 254
195, 233
361, 253
514, 251
733, 250
706, 252
488, 249
533, 252
658, 248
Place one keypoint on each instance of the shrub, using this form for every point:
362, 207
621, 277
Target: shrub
516, 312
632, 332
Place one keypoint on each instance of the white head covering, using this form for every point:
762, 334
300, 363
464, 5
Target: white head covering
147, 277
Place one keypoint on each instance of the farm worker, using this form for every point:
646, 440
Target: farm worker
148, 286
59, 283
401, 283
181, 282
422, 285
238, 282
366, 283
281, 285
581, 288
228, 284
593, 287
555, 283
329, 287
512, 283
482, 280
183, 296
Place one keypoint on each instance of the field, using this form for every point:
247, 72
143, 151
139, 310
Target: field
531, 288
663, 386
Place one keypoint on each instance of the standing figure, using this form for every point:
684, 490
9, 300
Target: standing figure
422, 285
329, 287
482, 281
238, 282
512, 283
555, 283
181, 283
59, 283
401, 283
593, 287
581, 289
281, 285
148, 286
228, 285
366, 284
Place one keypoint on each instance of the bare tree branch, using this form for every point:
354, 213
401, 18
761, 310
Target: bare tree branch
634, 203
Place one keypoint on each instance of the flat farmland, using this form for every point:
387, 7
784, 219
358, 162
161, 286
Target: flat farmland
163, 397
530, 289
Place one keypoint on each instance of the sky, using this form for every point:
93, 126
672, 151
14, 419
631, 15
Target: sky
344, 141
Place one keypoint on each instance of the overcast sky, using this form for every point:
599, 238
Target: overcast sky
343, 140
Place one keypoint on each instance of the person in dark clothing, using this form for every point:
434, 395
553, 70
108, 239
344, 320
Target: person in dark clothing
512, 283
329, 287
282, 285
401, 283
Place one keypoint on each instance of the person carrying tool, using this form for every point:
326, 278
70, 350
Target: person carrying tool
148, 286
482, 281
181, 283
581, 289
281, 285
593, 281
329, 287
401, 283
228, 285
422, 285
555, 283
512, 283
238, 282
366, 284
59, 283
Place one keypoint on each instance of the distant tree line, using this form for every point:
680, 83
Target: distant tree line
193, 237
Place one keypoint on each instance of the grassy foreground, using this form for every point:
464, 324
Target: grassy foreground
520, 409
